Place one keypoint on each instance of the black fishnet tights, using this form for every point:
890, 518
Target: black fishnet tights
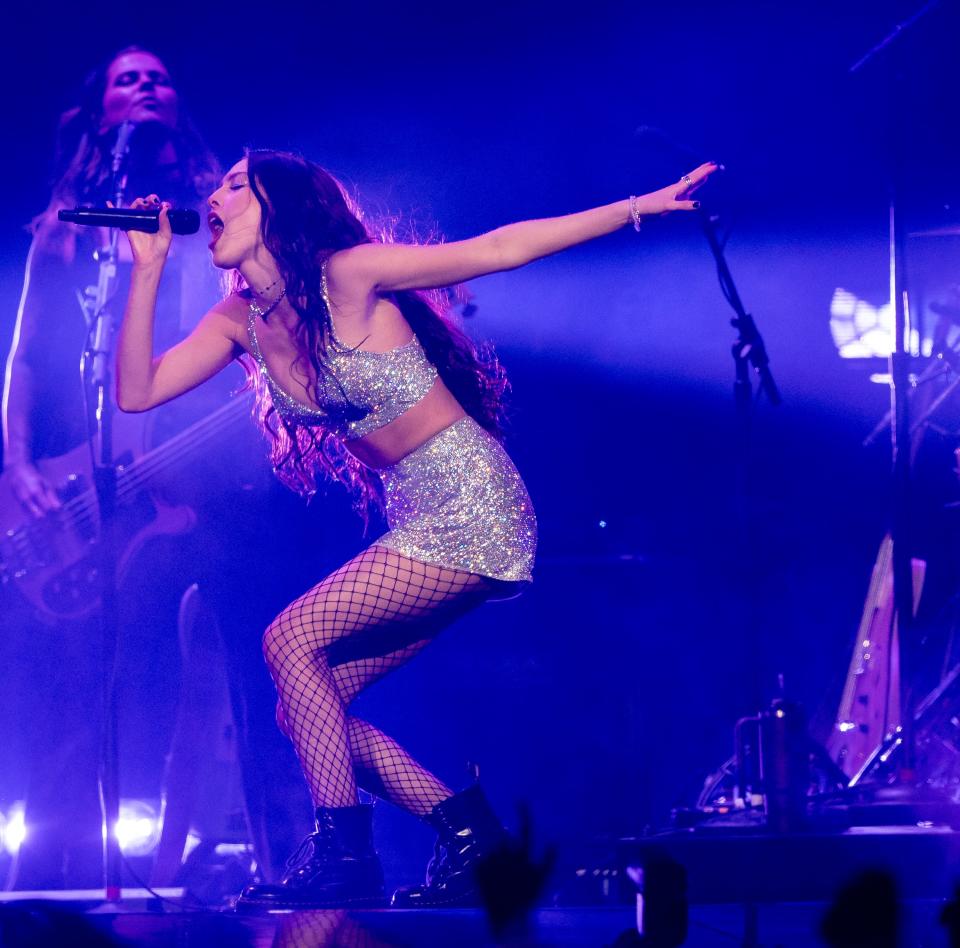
364, 620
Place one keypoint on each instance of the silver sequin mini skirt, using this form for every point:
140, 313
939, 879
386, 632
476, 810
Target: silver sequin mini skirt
457, 501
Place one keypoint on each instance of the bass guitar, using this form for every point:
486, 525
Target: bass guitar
52, 560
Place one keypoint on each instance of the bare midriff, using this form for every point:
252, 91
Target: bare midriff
437, 410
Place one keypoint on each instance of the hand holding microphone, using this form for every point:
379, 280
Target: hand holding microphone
149, 224
150, 248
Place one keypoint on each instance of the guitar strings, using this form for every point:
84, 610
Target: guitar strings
154, 460
166, 454
82, 511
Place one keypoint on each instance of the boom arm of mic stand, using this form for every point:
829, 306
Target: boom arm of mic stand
749, 345
898, 30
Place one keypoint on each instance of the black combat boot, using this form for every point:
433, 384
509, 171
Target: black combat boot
467, 830
334, 867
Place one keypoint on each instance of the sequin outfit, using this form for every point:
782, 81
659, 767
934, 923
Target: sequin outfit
457, 500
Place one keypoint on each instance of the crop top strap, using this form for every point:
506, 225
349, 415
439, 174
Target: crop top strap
325, 293
325, 289
252, 335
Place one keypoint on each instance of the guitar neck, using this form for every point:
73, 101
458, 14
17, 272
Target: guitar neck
182, 448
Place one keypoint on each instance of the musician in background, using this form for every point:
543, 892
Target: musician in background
43, 410
56, 672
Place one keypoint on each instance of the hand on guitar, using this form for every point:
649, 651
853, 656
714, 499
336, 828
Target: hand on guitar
34, 492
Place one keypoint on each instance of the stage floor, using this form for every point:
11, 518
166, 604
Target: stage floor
58, 923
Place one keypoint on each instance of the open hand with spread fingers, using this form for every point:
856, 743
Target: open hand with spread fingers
674, 197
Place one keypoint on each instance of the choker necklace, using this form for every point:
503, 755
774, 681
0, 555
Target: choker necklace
264, 313
266, 289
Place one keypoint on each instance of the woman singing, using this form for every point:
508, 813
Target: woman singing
361, 379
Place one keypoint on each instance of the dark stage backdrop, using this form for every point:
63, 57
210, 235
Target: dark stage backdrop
607, 692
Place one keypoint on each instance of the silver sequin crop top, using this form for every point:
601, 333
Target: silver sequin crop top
361, 391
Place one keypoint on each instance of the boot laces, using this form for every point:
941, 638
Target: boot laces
437, 867
442, 865
314, 844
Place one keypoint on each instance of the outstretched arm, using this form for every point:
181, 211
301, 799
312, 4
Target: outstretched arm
386, 267
145, 380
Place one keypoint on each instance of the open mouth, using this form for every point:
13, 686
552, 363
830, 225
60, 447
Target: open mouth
216, 228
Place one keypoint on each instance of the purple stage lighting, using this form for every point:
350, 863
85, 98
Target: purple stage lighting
13, 830
138, 828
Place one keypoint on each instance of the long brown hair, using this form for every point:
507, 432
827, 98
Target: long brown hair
307, 217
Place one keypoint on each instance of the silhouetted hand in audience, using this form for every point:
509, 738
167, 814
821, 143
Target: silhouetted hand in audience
950, 918
510, 879
864, 913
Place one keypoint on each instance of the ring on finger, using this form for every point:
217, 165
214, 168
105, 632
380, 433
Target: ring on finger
686, 179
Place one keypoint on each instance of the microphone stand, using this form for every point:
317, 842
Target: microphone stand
900, 361
748, 351
96, 306
749, 348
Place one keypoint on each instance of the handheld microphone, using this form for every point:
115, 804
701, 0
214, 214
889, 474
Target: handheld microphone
129, 218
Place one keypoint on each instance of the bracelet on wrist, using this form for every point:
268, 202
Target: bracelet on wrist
635, 215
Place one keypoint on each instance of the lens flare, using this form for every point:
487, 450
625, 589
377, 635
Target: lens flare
13, 828
138, 828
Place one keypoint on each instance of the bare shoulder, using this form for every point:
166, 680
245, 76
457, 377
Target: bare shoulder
233, 307
229, 316
350, 283
348, 269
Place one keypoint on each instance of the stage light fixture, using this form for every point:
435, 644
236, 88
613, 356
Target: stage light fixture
861, 330
138, 828
13, 829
